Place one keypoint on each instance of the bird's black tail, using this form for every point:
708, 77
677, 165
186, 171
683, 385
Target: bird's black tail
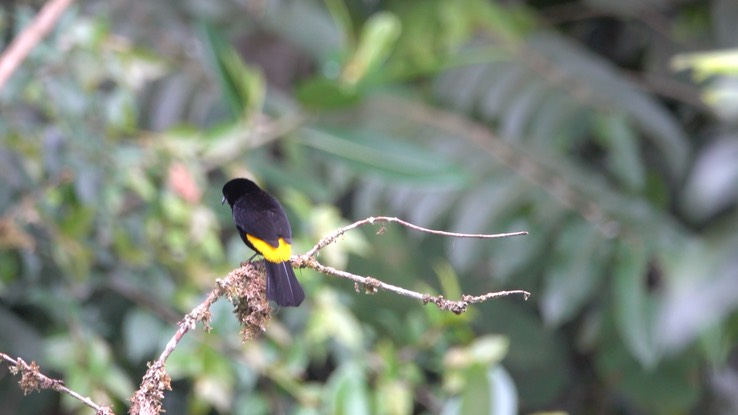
282, 284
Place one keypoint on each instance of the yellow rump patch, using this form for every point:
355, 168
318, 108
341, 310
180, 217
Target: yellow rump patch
281, 253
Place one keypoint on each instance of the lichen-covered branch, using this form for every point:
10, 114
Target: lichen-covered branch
33, 380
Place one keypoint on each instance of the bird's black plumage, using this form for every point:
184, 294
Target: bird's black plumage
264, 227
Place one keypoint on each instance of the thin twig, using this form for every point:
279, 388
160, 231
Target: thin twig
482, 298
386, 219
33, 380
21, 46
371, 285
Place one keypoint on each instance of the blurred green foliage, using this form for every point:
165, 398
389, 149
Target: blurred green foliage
577, 121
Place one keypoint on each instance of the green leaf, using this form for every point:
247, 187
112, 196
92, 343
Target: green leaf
716, 344
325, 94
623, 160
395, 160
138, 333
394, 397
537, 354
334, 321
722, 96
574, 273
671, 387
487, 351
504, 396
711, 185
491, 390
448, 279
633, 312
707, 64
613, 89
378, 38
348, 391
703, 275
475, 398
243, 87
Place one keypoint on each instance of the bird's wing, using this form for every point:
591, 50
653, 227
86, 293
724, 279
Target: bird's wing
265, 220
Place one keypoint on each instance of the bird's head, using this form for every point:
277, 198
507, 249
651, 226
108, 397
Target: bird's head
236, 188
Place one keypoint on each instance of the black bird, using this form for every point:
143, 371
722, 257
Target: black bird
264, 227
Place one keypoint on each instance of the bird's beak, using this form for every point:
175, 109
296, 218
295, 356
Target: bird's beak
223, 201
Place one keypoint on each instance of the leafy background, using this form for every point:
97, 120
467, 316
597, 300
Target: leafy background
607, 129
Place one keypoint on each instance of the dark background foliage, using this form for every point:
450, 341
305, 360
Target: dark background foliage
606, 128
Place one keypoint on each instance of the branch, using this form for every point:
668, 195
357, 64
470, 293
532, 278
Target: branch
386, 219
245, 287
33, 380
21, 46
371, 285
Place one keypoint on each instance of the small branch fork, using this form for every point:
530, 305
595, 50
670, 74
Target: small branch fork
371, 285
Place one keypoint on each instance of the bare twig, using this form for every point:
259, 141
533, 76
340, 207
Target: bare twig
21, 46
482, 298
386, 219
371, 285
33, 380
